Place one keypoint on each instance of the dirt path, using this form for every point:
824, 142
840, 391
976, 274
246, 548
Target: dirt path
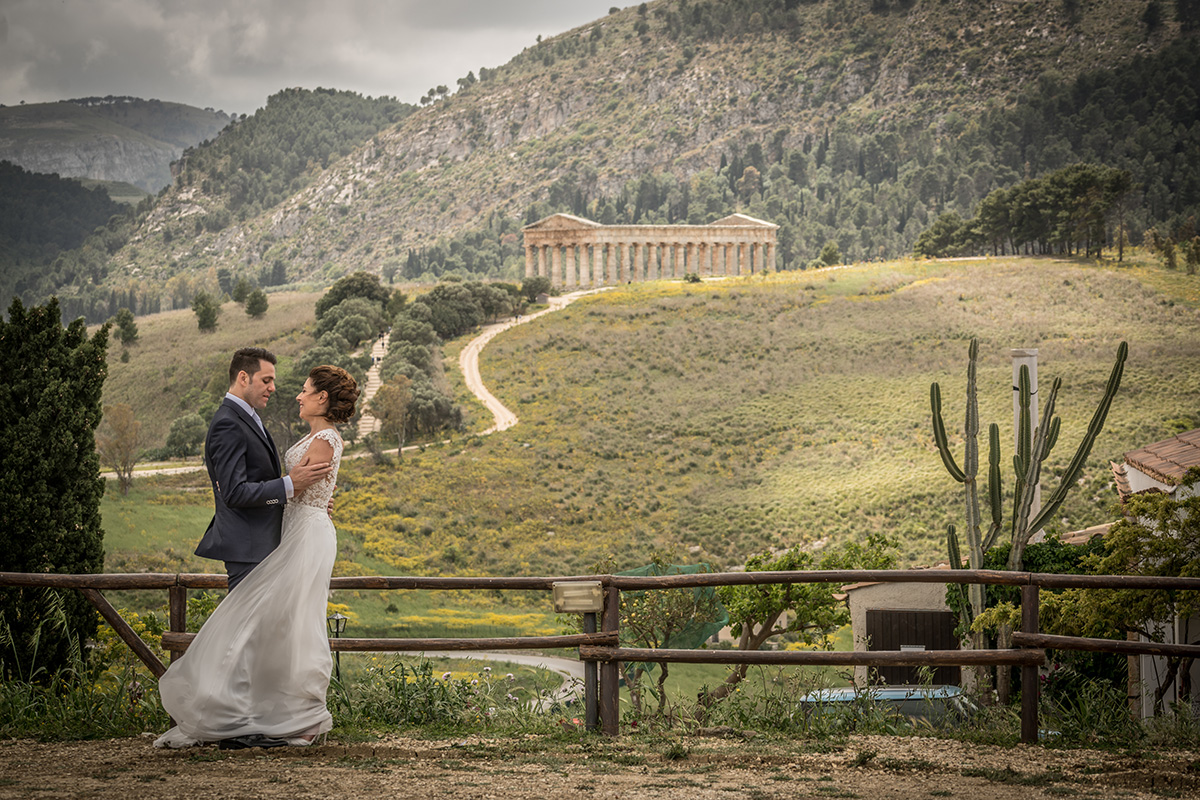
543, 768
468, 360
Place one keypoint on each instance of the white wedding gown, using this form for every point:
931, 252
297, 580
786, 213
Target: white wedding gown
261, 663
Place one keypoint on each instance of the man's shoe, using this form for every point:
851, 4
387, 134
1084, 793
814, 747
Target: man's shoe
253, 740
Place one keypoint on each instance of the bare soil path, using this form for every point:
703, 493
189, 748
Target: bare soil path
468, 360
640, 766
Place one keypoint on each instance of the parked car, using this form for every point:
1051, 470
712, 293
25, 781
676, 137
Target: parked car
938, 704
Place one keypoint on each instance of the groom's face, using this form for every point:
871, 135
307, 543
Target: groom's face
257, 388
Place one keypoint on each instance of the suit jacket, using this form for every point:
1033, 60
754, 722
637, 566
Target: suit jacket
249, 490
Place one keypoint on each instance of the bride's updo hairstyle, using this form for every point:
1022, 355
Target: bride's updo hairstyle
341, 388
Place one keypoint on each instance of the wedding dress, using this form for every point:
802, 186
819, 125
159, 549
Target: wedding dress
261, 663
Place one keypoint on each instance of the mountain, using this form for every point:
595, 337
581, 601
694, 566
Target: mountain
123, 139
853, 124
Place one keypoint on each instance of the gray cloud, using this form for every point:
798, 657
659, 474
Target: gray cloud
233, 54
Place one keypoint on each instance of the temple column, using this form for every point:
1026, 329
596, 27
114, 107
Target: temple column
556, 278
610, 263
677, 265
541, 261
770, 255
585, 265
570, 273
529, 265
622, 256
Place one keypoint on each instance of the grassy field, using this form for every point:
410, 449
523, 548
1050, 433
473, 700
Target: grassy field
707, 422
173, 364
712, 421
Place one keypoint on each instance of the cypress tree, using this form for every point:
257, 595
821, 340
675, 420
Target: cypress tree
49, 481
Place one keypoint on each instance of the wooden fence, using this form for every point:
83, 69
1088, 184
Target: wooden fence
601, 651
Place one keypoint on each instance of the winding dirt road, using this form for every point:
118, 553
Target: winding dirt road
468, 360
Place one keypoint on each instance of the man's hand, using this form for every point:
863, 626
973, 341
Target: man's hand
305, 474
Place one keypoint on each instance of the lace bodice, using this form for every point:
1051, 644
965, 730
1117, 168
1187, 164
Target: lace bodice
317, 495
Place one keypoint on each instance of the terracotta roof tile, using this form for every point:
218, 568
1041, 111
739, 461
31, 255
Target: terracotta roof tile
1124, 490
1168, 460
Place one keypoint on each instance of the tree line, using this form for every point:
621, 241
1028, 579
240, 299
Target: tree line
1073, 210
42, 216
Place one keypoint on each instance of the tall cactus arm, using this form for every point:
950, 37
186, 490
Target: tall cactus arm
964, 603
1024, 421
939, 434
1023, 444
1021, 529
1071, 474
971, 426
952, 548
995, 500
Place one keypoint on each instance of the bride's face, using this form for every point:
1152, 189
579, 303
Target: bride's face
313, 404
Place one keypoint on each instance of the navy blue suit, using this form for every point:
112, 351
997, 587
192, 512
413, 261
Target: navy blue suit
249, 490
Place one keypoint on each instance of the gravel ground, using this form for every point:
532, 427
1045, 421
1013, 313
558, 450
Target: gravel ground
871, 767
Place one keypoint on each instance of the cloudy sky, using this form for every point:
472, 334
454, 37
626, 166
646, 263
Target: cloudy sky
232, 54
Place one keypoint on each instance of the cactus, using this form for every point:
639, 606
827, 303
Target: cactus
1033, 447
1023, 527
966, 475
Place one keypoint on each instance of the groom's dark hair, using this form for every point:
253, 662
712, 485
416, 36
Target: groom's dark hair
249, 360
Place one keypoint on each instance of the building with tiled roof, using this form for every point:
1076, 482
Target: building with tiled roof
1159, 467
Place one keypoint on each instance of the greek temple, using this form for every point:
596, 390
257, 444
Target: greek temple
576, 252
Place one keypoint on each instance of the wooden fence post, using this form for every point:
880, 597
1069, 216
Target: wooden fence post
177, 613
610, 671
591, 699
1030, 688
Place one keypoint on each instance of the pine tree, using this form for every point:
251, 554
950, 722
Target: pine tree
256, 303
207, 310
49, 479
127, 329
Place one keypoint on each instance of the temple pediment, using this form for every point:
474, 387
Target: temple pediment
742, 219
562, 222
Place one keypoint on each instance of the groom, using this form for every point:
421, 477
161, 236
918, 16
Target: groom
243, 466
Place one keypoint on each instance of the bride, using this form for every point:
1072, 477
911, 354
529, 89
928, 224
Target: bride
257, 673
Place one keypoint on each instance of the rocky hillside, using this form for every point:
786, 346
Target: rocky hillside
862, 120
122, 139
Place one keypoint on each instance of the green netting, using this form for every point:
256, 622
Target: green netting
678, 629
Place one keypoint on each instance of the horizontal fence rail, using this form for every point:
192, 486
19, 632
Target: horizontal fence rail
836, 658
601, 651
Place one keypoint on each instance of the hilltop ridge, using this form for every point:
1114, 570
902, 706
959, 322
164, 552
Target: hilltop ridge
105, 138
852, 123
632, 94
